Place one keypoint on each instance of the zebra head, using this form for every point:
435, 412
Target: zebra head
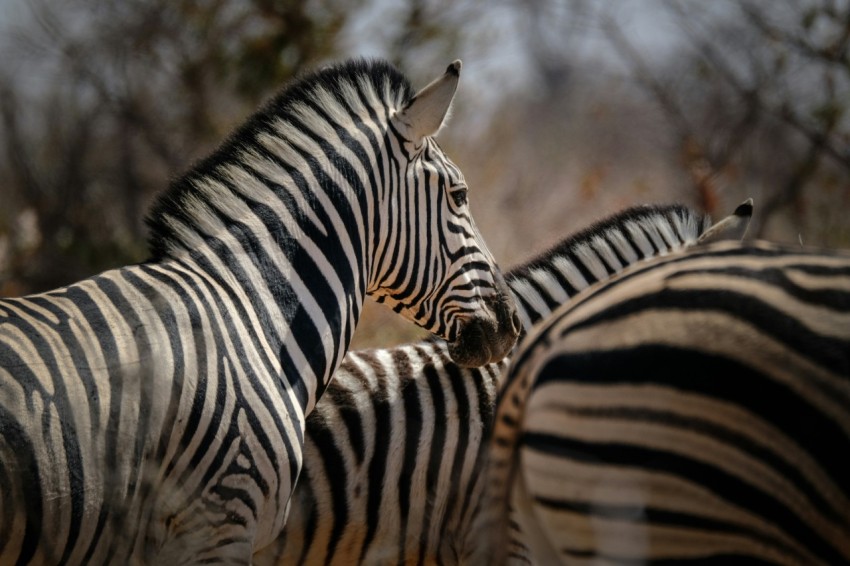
434, 267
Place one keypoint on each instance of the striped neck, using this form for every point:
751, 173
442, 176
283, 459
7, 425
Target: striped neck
281, 214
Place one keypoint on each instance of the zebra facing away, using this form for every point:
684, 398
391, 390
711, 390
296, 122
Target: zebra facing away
155, 413
693, 409
393, 452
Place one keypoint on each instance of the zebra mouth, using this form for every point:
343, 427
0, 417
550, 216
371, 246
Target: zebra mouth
481, 341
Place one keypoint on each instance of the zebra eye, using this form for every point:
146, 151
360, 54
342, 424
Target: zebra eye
460, 197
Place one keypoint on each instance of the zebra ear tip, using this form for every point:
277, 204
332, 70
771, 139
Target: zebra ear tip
427, 110
733, 227
745, 208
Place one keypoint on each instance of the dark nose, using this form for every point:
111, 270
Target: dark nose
487, 339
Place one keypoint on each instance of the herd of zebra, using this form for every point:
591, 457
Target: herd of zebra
671, 395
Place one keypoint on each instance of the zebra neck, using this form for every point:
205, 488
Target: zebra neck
287, 257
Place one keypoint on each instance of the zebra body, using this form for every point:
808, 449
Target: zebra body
694, 408
156, 412
394, 452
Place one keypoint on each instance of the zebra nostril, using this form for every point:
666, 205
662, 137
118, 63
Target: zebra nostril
516, 322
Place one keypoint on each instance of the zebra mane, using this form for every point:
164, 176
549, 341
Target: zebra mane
641, 225
353, 83
596, 253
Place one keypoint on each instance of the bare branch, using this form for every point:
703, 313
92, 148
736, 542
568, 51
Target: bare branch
751, 94
14, 144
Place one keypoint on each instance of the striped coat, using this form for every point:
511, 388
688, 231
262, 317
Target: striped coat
692, 409
156, 412
395, 450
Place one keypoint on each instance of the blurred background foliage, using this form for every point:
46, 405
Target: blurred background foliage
568, 110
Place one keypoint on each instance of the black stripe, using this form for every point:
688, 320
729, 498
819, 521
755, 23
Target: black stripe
378, 464
724, 380
835, 299
833, 354
167, 316
90, 310
306, 492
412, 435
722, 484
638, 514
437, 452
394, 183
148, 358
333, 466
28, 495
117, 377
346, 403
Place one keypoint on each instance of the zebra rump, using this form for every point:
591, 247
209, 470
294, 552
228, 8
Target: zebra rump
694, 408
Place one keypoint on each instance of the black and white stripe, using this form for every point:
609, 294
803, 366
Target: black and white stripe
394, 451
692, 409
156, 412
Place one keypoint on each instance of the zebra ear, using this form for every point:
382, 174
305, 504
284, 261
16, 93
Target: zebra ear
426, 113
733, 227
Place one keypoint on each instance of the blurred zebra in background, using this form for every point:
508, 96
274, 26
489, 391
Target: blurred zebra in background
394, 453
155, 413
693, 409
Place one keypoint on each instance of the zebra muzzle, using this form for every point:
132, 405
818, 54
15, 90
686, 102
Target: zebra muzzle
487, 339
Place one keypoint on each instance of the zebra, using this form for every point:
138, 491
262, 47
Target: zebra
393, 452
156, 411
694, 408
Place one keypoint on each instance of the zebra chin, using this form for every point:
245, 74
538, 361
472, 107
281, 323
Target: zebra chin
485, 340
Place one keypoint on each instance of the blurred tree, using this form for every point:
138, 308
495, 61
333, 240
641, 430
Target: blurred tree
102, 101
761, 100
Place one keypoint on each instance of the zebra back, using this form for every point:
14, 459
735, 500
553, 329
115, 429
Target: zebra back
696, 407
395, 450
